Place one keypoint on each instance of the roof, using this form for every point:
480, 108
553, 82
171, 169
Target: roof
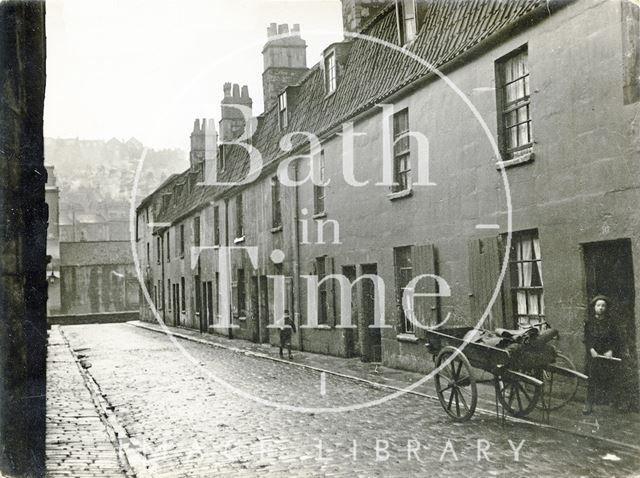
373, 72
149, 197
92, 253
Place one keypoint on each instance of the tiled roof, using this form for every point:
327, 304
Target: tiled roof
373, 72
95, 253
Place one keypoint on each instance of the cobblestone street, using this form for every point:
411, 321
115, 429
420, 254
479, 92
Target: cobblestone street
174, 416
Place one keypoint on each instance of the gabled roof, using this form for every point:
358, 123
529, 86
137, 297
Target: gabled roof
373, 72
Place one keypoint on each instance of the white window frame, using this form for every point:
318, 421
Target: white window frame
407, 22
283, 113
330, 72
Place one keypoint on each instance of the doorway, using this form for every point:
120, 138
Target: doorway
352, 341
176, 305
263, 310
371, 337
609, 271
254, 312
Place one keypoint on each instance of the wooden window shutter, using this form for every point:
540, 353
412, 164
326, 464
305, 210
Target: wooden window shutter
484, 271
509, 320
426, 308
288, 298
331, 292
271, 299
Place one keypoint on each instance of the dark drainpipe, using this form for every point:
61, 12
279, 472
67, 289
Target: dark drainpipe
227, 240
296, 261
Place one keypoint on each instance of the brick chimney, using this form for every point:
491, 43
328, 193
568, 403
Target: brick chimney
231, 118
203, 142
285, 61
357, 13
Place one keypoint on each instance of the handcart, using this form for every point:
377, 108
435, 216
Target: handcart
520, 374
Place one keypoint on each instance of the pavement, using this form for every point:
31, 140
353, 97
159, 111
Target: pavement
197, 405
78, 441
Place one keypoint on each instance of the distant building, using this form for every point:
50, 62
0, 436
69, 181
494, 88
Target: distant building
97, 277
94, 227
52, 198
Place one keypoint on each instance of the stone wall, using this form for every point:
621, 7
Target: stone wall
23, 228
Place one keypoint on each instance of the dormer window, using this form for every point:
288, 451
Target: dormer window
330, 73
282, 110
407, 25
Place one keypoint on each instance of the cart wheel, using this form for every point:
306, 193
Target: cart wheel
559, 388
518, 398
456, 385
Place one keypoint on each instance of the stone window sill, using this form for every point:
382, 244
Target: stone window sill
319, 215
276, 229
237, 240
323, 326
410, 338
400, 194
524, 158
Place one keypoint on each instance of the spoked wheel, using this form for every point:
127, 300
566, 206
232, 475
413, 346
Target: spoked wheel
456, 385
560, 388
518, 397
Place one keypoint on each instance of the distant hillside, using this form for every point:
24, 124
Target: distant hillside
96, 176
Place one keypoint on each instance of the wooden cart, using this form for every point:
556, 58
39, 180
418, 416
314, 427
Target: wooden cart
521, 380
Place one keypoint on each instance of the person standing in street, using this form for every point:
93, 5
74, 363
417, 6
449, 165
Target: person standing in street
602, 344
286, 329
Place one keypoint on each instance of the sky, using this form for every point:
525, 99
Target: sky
148, 68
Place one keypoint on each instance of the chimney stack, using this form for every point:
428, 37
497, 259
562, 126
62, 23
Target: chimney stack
232, 120
285, 61
203, 142
357, 13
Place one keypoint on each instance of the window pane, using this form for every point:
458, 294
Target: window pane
401, 144
510, 93
512, 140
523, 136
410, 29
523, 114
409, 10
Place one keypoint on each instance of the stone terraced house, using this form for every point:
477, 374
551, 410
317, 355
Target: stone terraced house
534, 123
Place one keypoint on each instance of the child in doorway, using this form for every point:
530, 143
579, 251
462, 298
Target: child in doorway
602, 344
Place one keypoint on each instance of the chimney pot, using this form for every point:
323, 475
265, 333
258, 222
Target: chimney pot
236, 90
227, 89
245, 91
272, 29
283, 29
196, 125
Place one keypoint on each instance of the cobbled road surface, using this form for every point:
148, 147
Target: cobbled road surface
206, 411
